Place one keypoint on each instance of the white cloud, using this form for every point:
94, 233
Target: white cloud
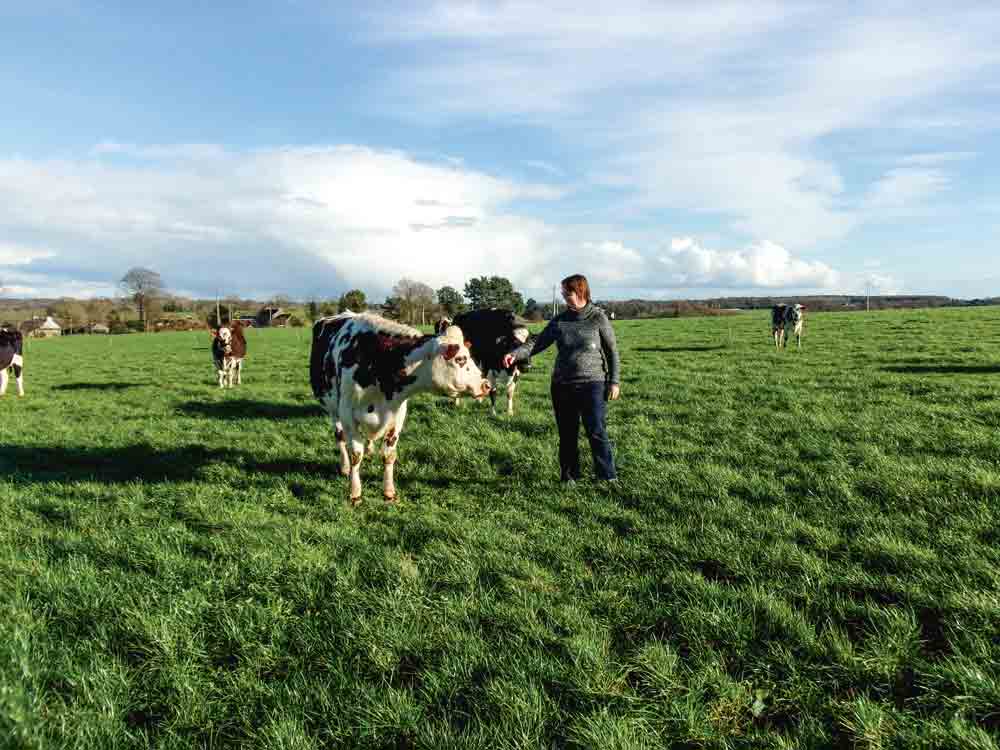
19, 255
763, 265
313, 221
905, 187
728, 103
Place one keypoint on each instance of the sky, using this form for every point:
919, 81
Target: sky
663, 149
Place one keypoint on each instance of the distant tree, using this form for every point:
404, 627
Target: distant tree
70, 312
141, 285
353, 300
415, 300
450, 300
312, 309
533, 311
493, 291
329, 308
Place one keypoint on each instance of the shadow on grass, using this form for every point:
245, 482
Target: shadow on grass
953, 369
679, 348
96, 386
243, 408
142, 462
125, 464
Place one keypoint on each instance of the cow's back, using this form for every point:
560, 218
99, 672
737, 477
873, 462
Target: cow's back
325, 330
238, 343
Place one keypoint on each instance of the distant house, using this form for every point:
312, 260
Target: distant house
248, 321
41, 329
99, 328
272, 316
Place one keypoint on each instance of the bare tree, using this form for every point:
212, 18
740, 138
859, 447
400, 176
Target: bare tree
414, 297
142, 285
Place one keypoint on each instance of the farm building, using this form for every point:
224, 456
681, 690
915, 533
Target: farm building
41, 329
272, 316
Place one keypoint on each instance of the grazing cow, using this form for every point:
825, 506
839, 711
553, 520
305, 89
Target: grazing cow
363, 368
229, 347
11, 358
793, 324
490, 335
778, 325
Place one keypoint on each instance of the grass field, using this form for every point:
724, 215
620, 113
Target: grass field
803, 551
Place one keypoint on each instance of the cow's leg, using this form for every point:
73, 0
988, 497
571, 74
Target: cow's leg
369, 447
345, 461
3, 382
239, 372
491, 376
19, 374
511, 387
357, 449
389, 454
458, 400
220, 369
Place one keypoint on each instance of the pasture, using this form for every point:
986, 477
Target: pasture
803, 550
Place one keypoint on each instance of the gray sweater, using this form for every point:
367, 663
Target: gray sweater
586, 344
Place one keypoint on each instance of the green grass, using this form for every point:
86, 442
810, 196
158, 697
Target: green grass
803, 551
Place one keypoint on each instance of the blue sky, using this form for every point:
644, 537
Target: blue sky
663, 149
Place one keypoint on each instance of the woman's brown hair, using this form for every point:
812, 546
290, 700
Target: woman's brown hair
577, 283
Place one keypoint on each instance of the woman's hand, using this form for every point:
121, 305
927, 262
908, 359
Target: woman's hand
614, 392
507, 361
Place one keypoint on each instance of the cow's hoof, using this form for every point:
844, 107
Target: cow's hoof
345, 472
356, 501
391, 499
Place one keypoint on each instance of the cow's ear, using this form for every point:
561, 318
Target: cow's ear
450, 350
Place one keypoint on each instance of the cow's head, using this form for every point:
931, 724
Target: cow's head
442, 325
225, 337
453, 372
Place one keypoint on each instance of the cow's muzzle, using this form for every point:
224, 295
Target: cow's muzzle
484, 390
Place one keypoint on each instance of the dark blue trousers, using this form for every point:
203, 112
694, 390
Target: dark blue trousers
573, 403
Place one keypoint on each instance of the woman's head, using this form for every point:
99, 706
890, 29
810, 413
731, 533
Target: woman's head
575, 287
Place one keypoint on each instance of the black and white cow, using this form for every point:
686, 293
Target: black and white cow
229, 347
778, 325
490, 334
363, 368
786, 320
793, 323
11, 358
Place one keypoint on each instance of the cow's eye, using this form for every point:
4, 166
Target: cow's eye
461, 360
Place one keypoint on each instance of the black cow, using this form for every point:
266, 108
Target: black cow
11, 358
491, 334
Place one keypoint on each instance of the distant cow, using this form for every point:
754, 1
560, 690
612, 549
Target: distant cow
229, 347
786, 320
793, 323
778, 325
363, 369
490, 335
11, 358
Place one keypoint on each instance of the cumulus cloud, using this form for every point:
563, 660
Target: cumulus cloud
762, 265
301, 220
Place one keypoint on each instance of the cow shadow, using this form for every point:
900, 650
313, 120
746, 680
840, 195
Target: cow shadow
96, 386
946, 369
679, 348
243, 408
130, 463
142, 462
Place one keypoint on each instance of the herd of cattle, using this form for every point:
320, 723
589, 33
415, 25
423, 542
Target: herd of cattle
364, 368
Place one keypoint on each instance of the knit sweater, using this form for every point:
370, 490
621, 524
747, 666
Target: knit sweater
585, 340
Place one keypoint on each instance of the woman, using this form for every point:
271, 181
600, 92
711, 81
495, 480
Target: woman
585, 376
